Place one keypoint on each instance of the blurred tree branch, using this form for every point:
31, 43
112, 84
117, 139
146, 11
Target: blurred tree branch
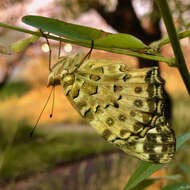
125, 20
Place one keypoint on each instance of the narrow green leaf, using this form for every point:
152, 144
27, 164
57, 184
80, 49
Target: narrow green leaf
185, 168
146, 169
19, 45
78, 32
177, 186
145, 183
182, 139
63, 29
172, 177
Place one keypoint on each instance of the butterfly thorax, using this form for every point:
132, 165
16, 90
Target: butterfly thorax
64, 69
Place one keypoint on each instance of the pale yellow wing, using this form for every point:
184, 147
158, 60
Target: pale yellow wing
125, 106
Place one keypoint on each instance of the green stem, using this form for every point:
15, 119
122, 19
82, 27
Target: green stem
170, 61
160, 43
166, 14
19, 29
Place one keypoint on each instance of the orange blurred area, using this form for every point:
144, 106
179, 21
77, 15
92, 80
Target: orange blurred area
174, 83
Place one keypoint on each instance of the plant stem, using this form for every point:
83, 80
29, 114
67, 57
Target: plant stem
160, 43
166, 14
86, 43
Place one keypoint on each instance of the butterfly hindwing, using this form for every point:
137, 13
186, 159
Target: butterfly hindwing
124, 106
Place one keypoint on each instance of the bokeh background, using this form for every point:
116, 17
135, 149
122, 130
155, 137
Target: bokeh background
64, 152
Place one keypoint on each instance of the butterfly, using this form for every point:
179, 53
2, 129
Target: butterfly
125, 106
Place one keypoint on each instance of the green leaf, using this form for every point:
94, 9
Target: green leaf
146, 169
145, 183
177, 186
172, 177
63, 29
123, 41
182, 139
78, 32
19, 45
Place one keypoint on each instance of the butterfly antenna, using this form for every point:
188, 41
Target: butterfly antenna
87, 56
45, 36
52, 108
31, 133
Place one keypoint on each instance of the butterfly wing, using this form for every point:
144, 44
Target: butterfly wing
125, 106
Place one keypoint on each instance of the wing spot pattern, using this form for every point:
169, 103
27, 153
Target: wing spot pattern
94, 77
122, 117
138, 103
106, 134
138, 90
117, 88
89, 115
127, 76
109, 121
124, 132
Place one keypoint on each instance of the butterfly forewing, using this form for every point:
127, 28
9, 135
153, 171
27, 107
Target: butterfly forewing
124, 106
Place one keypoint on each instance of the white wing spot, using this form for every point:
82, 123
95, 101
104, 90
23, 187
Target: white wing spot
158, 149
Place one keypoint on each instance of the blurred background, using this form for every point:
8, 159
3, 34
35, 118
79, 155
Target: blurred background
64, 152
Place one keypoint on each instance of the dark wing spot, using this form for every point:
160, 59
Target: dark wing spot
99, 70
123, 68
138, 90
81, 104
114, 87
89, 88
106, 106
123, 132
117, 88
127, 76
94, 91
155, 157
153, 77
119, 98
164, 147
115, 104
68, 92
168, 148
138, 103
88, 115
122, 117
148, 148
106, 134
75, 93
132, 114
167, 137
109, 121
97, 109
94, 77
151, 137
137, 126
144, 131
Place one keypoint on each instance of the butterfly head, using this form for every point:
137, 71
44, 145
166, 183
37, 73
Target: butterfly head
65, 65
